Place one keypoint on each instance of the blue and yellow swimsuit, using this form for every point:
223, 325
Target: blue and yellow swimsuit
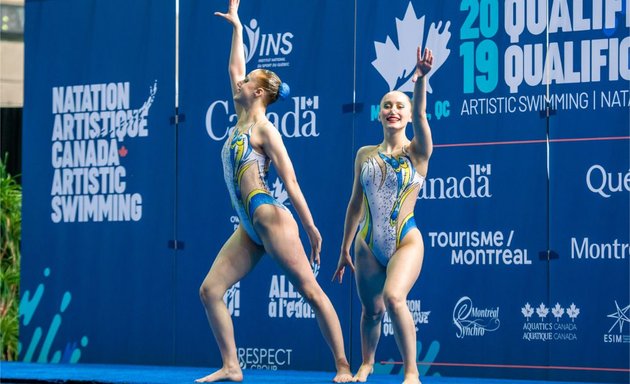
245, 173
390, 189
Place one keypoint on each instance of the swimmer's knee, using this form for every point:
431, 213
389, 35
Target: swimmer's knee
313, 294
394, 301
374, 315
210, 292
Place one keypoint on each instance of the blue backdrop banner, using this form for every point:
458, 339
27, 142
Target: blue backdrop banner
524, 212
98, 191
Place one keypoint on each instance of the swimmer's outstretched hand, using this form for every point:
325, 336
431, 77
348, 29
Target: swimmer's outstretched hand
232, 14
423, 64
344, 260
316, 243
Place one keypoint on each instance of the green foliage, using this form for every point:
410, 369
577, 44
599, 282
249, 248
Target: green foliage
10, 234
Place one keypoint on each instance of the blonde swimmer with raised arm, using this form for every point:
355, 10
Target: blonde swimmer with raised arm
266, 226
388, 248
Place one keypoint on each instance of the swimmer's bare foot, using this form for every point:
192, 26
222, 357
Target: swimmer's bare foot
223, 374
364, 371
411, 378
344, 375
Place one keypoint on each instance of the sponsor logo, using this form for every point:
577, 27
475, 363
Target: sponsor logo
474, 185
285, 301
264, 358
298, 121
621, 317
396, 64
271, 49
605, 183
235, 220
232, 299
419, 317
480, 247
279, 193
90, 125
584, 249
554, 323
472, 321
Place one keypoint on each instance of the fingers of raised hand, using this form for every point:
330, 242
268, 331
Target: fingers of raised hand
428, 56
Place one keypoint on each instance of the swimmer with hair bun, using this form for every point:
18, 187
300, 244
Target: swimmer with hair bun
266, 226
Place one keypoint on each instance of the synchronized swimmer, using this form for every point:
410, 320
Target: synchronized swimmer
388, 252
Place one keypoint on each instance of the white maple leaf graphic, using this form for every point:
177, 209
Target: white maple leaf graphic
542, 311
315, 267
557, 311
438, 41
279, 193
573, 312
527, 311
397, 64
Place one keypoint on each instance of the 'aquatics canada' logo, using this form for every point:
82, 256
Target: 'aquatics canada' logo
397, 64
556, 323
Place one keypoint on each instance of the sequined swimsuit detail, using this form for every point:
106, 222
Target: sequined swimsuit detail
245, 174
390, 189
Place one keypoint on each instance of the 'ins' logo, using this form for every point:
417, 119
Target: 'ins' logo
267, 45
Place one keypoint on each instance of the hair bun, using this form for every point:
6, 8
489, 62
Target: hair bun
284, 91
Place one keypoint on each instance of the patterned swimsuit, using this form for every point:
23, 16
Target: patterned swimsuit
390, 189
245, 173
